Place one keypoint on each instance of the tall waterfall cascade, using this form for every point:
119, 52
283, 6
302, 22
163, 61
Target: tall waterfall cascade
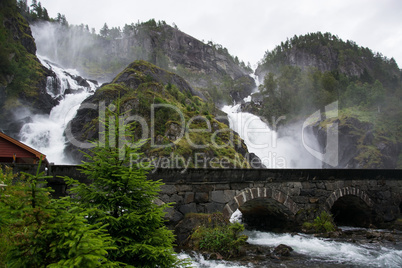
45, 133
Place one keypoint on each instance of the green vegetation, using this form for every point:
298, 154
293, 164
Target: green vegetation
322, 224
114, 221
121, 198
18, 66
366, 85
183, 125
218, 236
338, 55
362, 79
21, 74
33, 12
285, 93
37, 231
96, 56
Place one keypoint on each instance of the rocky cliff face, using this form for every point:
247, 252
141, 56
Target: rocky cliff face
360, 146
28, 85
327, 52
22, 77
208, 67
309, 72
324, 59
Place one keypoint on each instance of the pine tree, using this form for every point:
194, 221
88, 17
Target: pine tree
37, 231
46, 15
125, 199
104, 32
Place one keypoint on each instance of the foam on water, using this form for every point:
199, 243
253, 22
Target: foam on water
198, 261
57, 86
365, 255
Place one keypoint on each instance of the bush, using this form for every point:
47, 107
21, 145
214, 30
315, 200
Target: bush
322, 224
225, 240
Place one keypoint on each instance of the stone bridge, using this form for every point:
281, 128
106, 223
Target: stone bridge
285, 198
275, 198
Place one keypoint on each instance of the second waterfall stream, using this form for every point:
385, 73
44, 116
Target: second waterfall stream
276, 150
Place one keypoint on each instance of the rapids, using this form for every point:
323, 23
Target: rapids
311, 251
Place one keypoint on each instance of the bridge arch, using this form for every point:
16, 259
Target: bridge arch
350, 206
335, 195
263, 207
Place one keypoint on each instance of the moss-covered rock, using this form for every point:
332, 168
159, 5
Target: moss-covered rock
179, 123
362, 143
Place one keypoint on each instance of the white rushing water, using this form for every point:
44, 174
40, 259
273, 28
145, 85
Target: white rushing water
198, 261
286, 151
56, 87
328, 251
314, 251
46, 132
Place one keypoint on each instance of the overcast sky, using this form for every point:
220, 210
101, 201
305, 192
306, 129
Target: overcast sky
249, 28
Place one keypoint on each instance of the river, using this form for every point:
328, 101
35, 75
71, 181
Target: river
353, 249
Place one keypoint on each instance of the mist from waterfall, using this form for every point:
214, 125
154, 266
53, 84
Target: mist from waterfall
63, 45
276, 147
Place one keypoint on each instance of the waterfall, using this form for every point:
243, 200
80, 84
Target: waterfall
66, 79
46, 132
274, 150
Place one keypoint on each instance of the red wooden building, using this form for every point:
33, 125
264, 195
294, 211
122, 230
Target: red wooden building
13, 151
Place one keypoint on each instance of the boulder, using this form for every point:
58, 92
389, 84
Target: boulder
282, 250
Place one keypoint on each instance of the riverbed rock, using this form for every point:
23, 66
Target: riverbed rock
373, 235
215, 256
379, 236
282, 250
389, 237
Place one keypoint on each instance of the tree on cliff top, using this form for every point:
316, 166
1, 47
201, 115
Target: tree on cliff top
125, 199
